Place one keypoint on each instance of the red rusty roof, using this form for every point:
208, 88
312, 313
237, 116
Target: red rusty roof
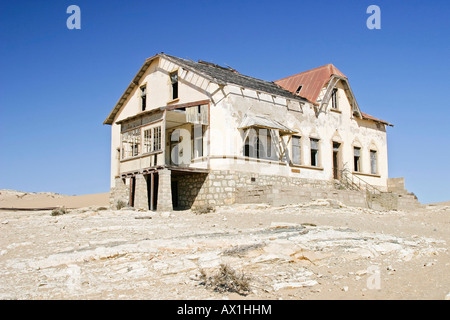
312, 81
366, 116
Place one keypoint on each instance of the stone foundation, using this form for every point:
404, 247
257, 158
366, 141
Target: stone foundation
193, 190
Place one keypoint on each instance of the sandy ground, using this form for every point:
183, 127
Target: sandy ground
26, 200
317, 250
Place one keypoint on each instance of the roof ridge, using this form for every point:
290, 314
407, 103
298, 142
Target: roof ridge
331, 67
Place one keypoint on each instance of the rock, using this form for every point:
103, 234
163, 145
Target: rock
361, 272
165, 214
292, 285
345, 288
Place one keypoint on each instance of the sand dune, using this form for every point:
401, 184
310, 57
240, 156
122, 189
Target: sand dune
12, 199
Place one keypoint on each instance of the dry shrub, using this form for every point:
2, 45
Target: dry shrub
242, 250
121, 204
203, 209
226, 279
59, 211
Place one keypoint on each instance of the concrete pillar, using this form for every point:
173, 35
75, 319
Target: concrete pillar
164, 191
141, 194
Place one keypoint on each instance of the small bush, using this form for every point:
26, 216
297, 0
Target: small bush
226, 279
59, 211
121, 204
203, 210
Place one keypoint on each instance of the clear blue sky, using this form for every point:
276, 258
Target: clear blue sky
58, 85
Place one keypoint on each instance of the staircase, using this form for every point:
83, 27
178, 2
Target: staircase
375, 198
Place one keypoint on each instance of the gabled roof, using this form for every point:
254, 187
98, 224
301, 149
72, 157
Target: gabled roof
222, 75
213, 72
312, 81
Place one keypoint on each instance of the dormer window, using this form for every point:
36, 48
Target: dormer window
143, 98
174, 82
334, 99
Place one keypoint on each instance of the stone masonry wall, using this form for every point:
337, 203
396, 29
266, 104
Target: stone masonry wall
120, 192
226, 187
223, 187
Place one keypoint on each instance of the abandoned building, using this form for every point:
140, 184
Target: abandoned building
188, 134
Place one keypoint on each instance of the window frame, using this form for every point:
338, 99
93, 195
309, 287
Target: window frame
357, 159
375, 153
143, 97
314, 152
335, 99
175, 94
293, 147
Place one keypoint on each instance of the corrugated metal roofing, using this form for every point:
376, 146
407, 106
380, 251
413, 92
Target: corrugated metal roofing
312, 81
366, 116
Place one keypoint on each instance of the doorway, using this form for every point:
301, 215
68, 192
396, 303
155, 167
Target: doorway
152, 190
132, 191
336, 148
174, 194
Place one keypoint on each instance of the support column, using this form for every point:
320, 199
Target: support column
164, 191
141, 194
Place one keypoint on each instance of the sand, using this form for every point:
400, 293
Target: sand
316, 250
11, 199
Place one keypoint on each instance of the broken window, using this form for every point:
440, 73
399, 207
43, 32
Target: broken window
356, 159
296, 150
258, 144
174, 82
197, 114
334, 99
131, 141
143, 98
373, 162
314, 152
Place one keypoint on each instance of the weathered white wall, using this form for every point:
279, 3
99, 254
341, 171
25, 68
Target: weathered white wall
329, 126
159, 94
228, 107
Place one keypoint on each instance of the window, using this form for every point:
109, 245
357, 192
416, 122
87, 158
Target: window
143, 98
296, 150
373, 162
314, 152
131, 142
147, 140
334, 99
298, 89
197, 140
156, 138
356, 159
258, 144
174, 82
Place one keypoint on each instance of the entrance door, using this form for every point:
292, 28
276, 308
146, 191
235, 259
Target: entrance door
336, 147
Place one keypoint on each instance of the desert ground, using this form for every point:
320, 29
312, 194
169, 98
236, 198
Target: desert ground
317, 250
